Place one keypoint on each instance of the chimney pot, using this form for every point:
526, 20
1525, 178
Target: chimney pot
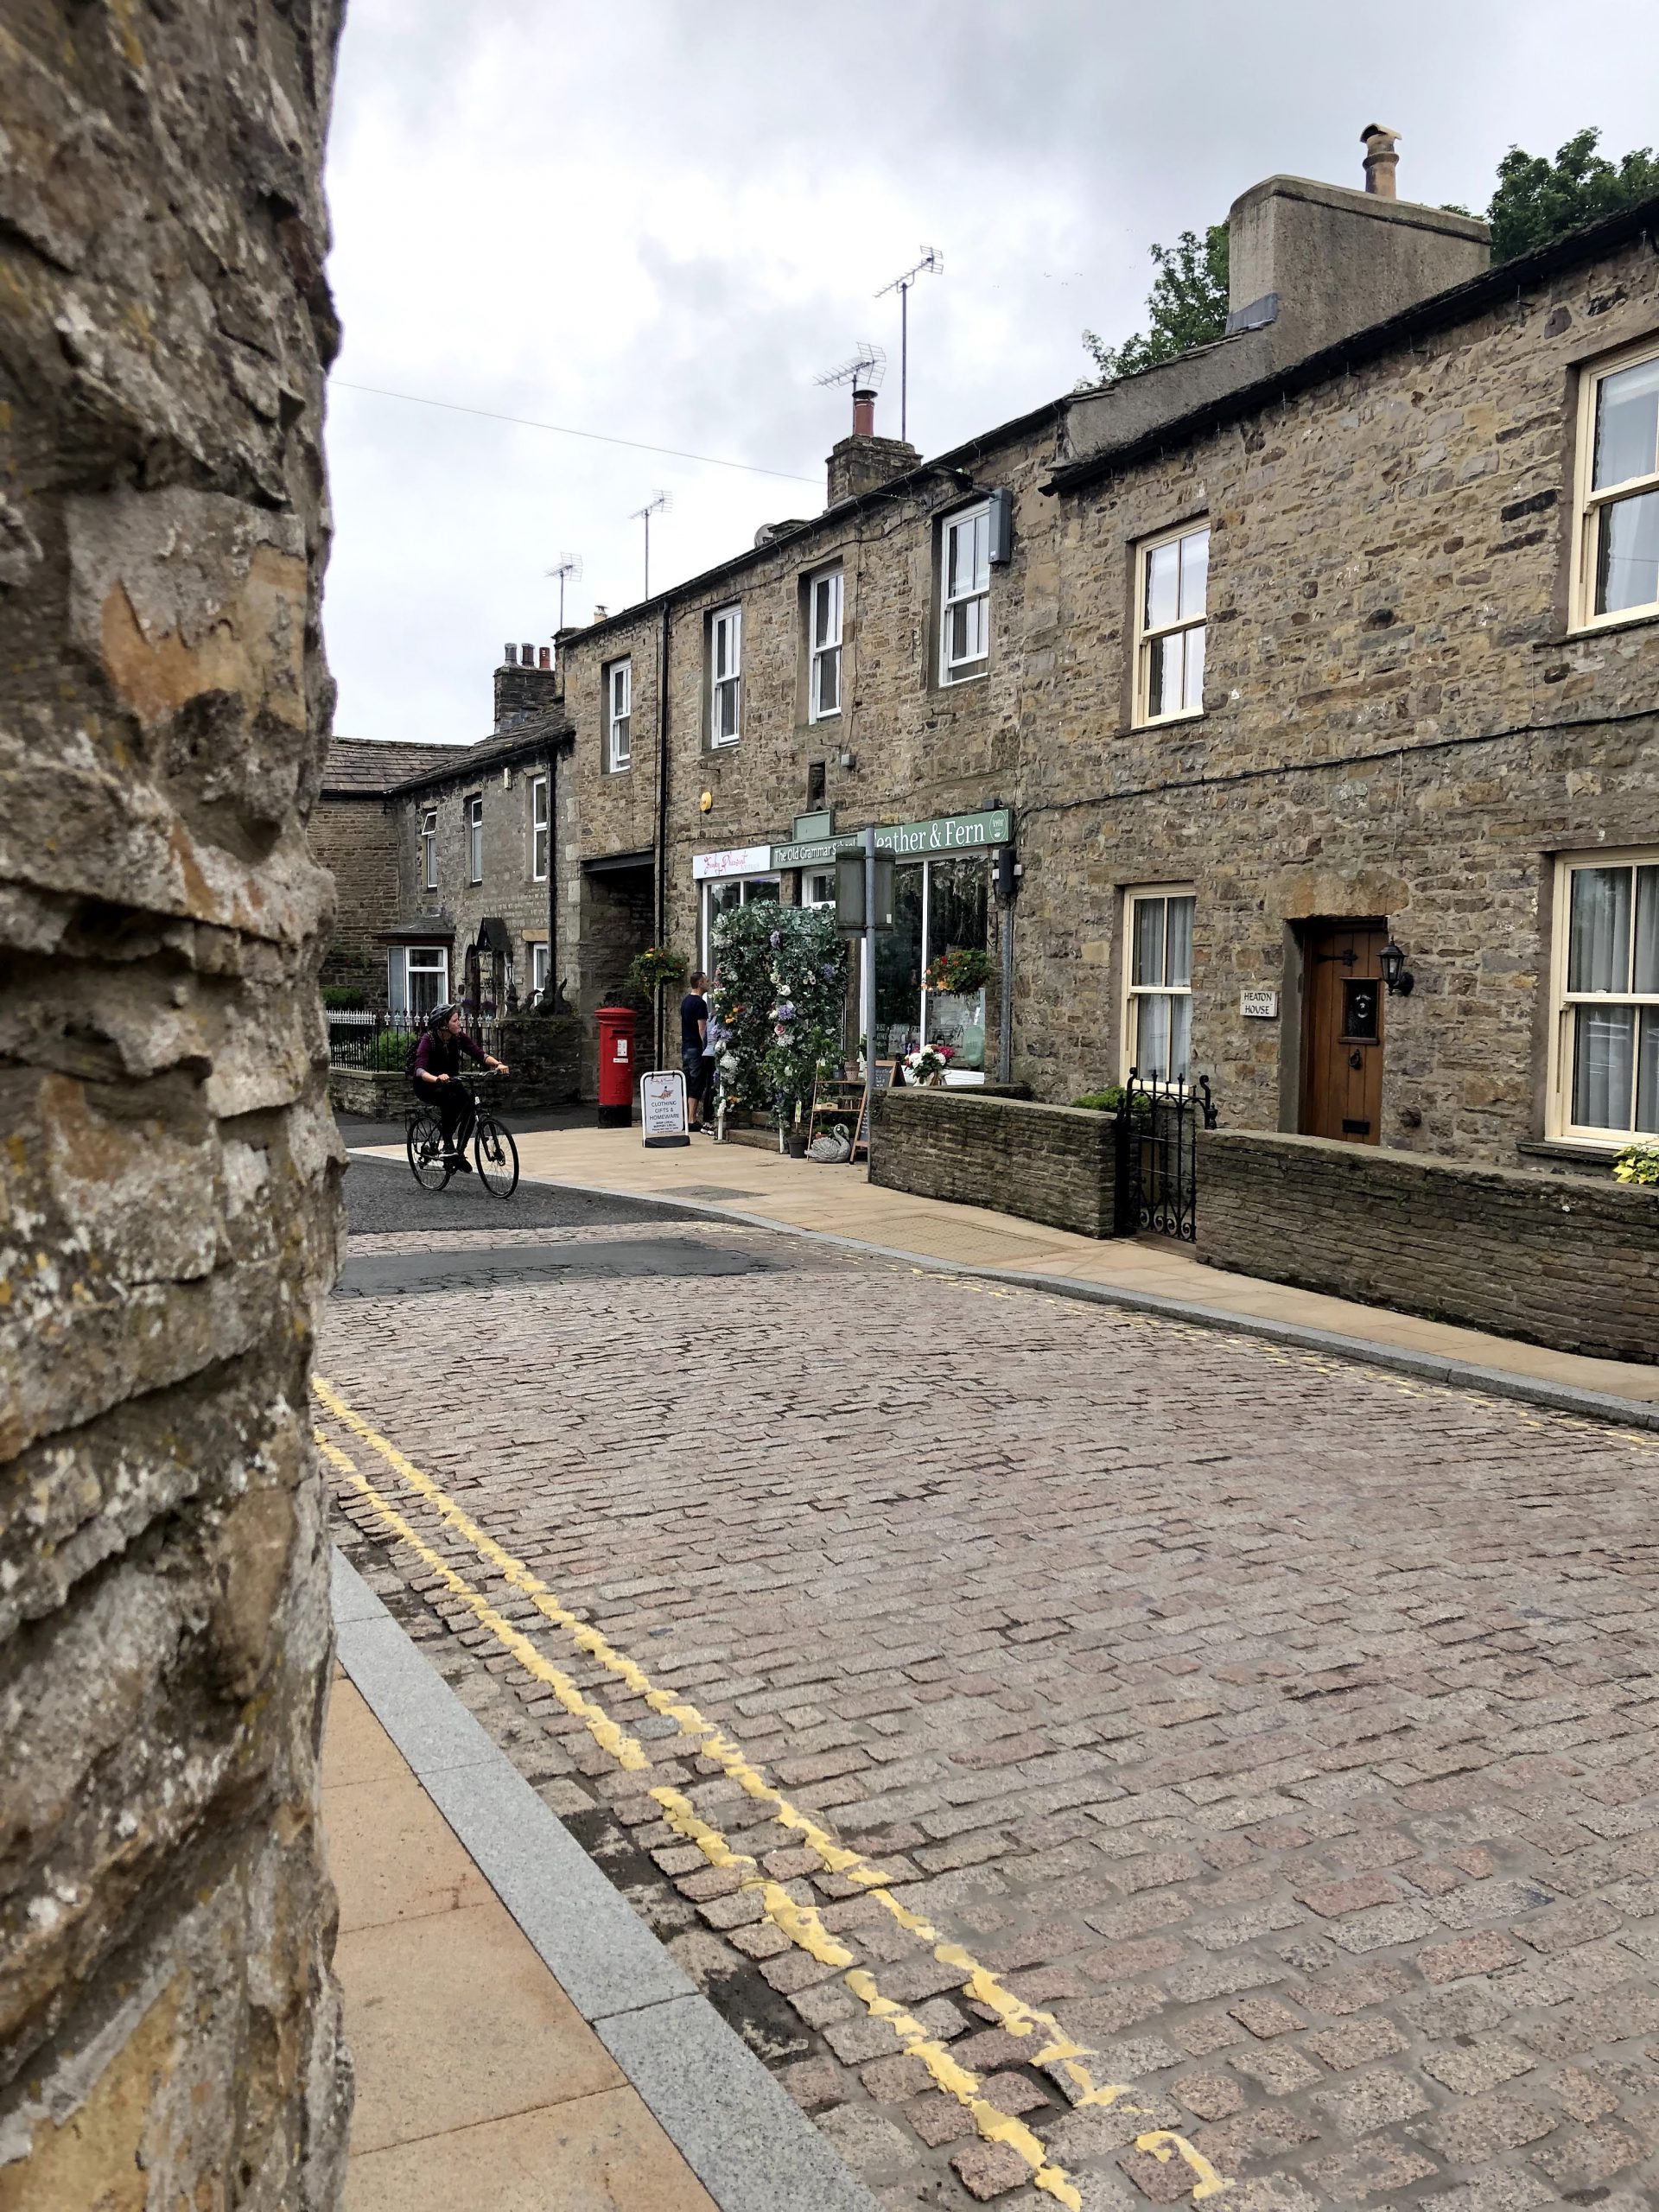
544, 657
510, 655
863, 413
1382, 159
527, 654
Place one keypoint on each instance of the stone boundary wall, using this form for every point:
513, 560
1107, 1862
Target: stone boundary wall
1052, 1164
544, 1052
1570, 1261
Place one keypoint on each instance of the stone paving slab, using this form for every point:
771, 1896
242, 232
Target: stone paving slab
1288, 1728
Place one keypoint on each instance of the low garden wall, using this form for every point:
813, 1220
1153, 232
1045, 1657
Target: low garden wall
1571, 1262
1052, 1164
544, 1052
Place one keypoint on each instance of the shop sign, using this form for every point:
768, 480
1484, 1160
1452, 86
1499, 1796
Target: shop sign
1259, 1005
947, 833
662, 1108
749, 859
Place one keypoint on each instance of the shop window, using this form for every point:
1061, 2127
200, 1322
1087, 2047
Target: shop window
726, 676
1617, 548
475, 840
817, 886
429, 848
823, 639
1158, 982
1605, 1085
417, 978
538, 828
940, 907
618, 714
965, 596
1171, 587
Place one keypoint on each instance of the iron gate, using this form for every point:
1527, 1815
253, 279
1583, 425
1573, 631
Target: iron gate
1157, 1155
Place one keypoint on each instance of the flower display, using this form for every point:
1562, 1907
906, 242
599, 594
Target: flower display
780, 989
927, 1064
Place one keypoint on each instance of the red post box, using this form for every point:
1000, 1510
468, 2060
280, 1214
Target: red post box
615, 1066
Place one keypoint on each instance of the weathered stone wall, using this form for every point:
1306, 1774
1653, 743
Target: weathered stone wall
1564, 1260
544, 1052
355, 839
168, 1192
1051, 1164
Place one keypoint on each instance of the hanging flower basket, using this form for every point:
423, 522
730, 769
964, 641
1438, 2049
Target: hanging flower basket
959, 974
654, 970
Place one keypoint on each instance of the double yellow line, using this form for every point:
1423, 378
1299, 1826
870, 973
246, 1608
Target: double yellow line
799, 1923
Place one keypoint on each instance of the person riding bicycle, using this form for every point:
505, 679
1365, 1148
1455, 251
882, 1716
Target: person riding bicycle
437, 1080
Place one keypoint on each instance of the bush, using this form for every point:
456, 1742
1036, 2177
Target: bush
345, 998
390, 1049
782, 989
1637, 1163
1110, 1100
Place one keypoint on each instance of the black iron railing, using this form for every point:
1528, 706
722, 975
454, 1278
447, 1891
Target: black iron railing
381, 1042
1158, 1124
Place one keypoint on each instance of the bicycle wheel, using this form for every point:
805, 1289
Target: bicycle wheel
496, 1157
425, 1147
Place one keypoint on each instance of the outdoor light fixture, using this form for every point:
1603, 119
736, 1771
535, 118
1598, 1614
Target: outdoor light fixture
1395, 976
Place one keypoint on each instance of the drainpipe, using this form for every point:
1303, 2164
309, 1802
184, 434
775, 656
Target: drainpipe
1005, 1011
662, 819
552, 868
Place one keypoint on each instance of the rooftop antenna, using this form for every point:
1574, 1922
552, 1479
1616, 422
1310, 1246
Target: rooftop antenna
657, 503
864, 373
931, 264
567, 565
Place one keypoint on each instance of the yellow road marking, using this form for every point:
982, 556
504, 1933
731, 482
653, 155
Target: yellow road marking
801, 1924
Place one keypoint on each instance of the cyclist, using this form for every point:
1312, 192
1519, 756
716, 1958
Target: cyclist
437, 1080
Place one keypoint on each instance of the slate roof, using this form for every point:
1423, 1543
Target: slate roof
360, 768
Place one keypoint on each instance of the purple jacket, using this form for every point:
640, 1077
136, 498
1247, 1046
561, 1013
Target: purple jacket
441, 1055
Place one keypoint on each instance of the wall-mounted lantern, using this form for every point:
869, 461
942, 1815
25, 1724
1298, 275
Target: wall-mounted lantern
1396, 977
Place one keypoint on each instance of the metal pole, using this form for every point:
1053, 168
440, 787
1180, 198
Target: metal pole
647, 552
869, 979
1005, 1012
904, 361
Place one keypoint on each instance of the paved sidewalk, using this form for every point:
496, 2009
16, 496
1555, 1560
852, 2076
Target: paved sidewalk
744, 1182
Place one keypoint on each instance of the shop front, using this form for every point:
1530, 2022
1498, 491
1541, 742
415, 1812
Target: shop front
933, 968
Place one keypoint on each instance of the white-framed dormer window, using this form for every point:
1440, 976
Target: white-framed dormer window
417, 978
965, 595
619, 714
538, 827
1157, 1029
1605, 1036
1171, 587
1616, 564
475, 840
726, 676
823, 638
429, 847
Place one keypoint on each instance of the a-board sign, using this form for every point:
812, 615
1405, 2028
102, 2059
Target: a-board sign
880, 1079
1259, 1005
662, 1108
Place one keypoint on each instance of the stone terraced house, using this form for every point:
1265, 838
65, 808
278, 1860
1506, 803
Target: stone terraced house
1285, 713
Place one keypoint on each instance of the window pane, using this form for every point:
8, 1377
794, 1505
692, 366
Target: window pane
982, 549
1178, 959
828, 668
968, 631
1599, 950
898, 969
725, 710
1602, 1051
1151, 1036
1647, 931
620, 752
1192, 680
1647, 1074
1180, 1033
1627, 554
1195, 573
1163, 586
1164, 676
959, 565
1149, 941
1627, 425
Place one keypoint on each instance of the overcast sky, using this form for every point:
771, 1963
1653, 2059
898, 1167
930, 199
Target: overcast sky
661, 219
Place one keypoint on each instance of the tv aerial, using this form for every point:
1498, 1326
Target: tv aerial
567, 567
659, 503
931, 264
864, 373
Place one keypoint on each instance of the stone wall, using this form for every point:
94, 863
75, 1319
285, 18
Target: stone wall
544, 1052
1052, 1164
1564, 1260
355, 839
170, 2030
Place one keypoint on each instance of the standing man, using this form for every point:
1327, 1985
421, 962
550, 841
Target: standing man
694, 1024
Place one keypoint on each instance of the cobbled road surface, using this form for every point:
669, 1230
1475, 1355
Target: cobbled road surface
1286, 1730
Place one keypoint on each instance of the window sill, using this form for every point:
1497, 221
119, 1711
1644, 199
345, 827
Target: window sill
1168, 722
1644, 620
1573, 1152
956, 683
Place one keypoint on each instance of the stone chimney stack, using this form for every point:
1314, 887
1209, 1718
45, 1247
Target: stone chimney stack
863, 462
522, 689
1381, 159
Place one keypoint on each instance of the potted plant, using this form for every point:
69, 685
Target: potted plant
925, 1066
1637, 1163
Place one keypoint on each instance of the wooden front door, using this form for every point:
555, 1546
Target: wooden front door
1342, 1031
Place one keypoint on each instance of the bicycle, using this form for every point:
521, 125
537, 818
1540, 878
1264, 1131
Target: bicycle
494, 1153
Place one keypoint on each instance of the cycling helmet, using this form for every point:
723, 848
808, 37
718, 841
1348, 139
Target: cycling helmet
439, 1017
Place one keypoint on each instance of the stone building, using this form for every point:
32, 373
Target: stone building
1331, 648
352, 835
169, 2024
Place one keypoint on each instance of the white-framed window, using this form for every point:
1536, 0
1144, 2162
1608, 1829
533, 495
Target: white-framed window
1617, 549
475, 840
1605, 1038
817, 886
965, 596
823, 610
429, 847
539, 969
719, 895
725, 676
1158, 981
417, 978
538, 828
619, 714
1170, 584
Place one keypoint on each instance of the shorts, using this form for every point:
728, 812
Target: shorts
695, 1078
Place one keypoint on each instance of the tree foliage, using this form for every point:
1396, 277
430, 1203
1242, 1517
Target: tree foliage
1186, 307
1537, 201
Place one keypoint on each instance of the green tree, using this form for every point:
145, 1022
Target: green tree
1186, 307
1537, 201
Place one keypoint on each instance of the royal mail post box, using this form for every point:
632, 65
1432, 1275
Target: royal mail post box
615, 1066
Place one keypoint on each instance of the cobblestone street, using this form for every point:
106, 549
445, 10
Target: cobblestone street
1262, 1749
